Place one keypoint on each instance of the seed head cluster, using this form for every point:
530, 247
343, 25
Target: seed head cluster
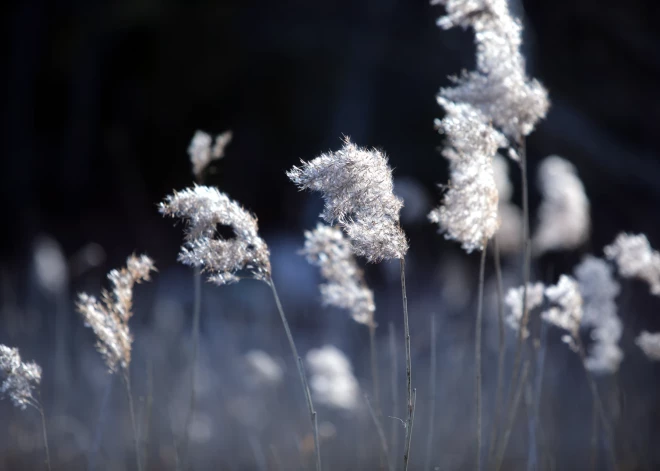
357, 187
499, 87
18, 379
468, 213
109, 317
327, 248
204, 208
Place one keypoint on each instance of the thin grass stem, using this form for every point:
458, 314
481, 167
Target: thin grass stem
409, 430
127, 383
512, 416
501, 350
409, 390
373, 353
432, 389
477, 354
394, 370
381, 434
301, 372
45, 433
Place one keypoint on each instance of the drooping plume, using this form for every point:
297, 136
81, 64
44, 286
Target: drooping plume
203, 151
469, 209
204, 208
599, 290
356, 184
327, 248
636, 259
18, 379
564, 220
499, 87
109, 317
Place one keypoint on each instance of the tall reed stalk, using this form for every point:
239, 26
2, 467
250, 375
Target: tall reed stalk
409, 389
302, 374
501, 350
433, 391
127, 383
477, 353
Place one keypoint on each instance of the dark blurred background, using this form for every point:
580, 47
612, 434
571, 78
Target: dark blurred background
101, 100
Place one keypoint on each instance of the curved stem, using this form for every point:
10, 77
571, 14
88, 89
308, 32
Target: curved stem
501, 349
477, 353
394, 385
45, 433
409, 390
127, 383
432, 389
301, 372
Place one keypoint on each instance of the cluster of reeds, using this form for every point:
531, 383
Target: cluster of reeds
488, 114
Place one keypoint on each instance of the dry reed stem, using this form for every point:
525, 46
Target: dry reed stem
432, 389
394, 370
381, 434
512, 415
127, 383
501, 349
409, 390
477, 352
301, 372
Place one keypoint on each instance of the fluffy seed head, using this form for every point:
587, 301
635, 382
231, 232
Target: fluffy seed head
357, 188
109, 317
327, 248
564, 220
499, 87
19, 379
636, 259
204, 208
469, 209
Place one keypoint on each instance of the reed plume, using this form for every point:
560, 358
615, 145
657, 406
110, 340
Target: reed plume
20, 379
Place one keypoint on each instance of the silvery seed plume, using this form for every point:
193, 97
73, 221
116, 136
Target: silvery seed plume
513, 300
109, 317
203, 151
567, 310
204, 208
509, 234
327, 248
564, 219
469, 209
499, 87
357, 187
636, 259
599, 291
19, 379
650, 344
